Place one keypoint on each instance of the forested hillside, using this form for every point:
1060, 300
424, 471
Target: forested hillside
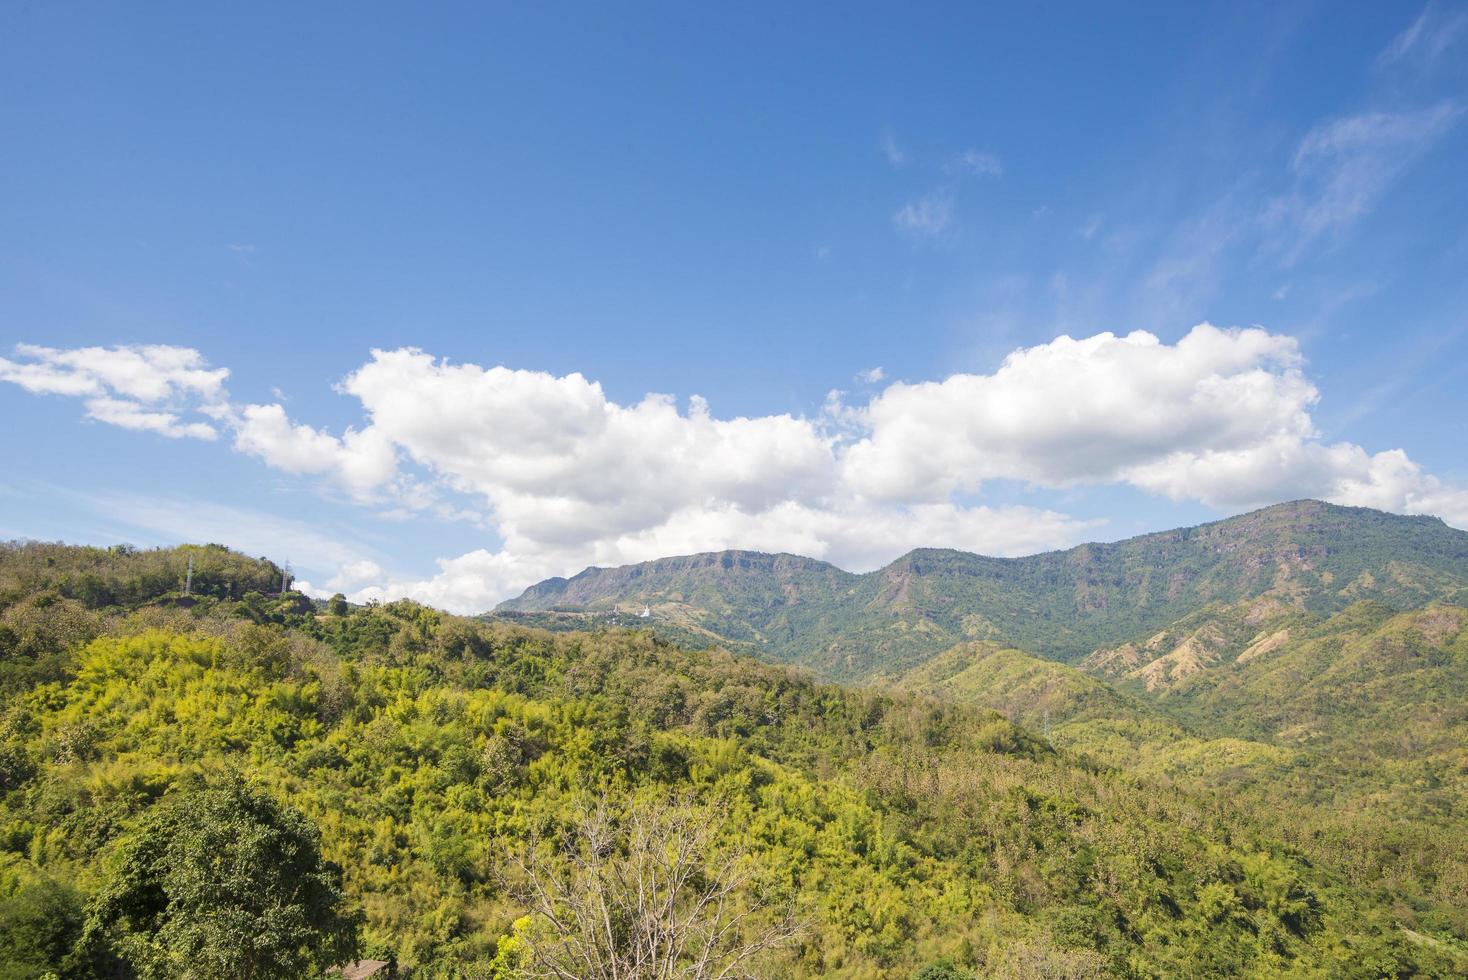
1352, 734
1305, 660
1345, 736
1313, 557
450, 793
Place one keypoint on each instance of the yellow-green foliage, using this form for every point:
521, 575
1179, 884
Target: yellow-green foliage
1347, 741
429, 751
426, 749
1024, 688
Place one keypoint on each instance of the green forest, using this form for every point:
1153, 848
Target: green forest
246, 783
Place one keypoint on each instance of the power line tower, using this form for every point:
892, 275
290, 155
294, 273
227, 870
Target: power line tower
285, 578
189, 577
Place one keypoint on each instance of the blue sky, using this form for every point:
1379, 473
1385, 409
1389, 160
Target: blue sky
564, 208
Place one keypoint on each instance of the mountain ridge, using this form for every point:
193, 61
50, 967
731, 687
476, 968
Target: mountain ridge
926, 551
1062, 605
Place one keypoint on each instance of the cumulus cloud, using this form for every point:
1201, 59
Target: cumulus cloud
1284, 467
360, 461
1222, 417
559, 464
570, 478
564, 477
354, 574
1081, 411
141, 387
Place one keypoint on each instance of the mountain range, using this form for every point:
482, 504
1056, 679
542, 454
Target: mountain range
1304, 558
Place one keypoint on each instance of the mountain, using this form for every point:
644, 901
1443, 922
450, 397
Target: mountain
1306, 557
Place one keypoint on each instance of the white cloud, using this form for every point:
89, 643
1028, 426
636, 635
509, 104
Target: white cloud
143, 387
1426, 38
895, 154
1342, 168
132, 415
925, 218
558, 462
563, 477
354, 574
147, 373
569, 478
974, 163
1284, 468
1080, 411
871, 375
360, 461
1222, 416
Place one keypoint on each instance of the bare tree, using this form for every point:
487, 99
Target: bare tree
649, 895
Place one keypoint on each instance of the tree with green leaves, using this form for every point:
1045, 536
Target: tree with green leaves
221, 881
39, 923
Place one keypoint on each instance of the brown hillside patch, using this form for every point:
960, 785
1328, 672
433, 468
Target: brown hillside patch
1440, 625
1264, 643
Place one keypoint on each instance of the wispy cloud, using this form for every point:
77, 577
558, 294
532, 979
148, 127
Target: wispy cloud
895, 154
1426, 38
173, 520
243, 252
973, 163
1343, 167
926, 218
871, 376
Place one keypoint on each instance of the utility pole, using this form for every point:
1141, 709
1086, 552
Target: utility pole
189, 577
